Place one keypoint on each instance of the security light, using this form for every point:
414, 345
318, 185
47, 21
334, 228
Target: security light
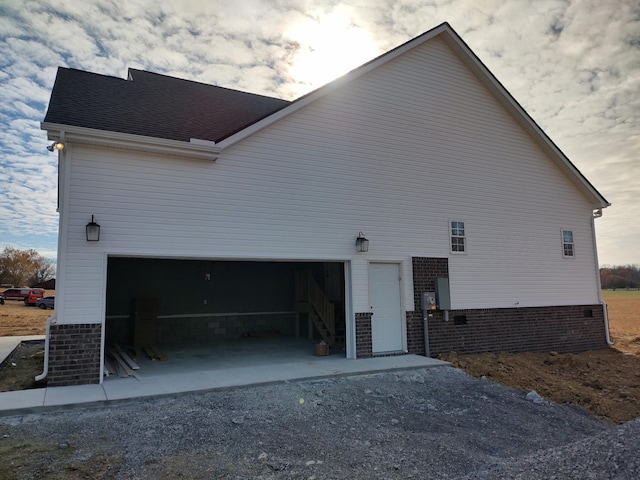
56, 146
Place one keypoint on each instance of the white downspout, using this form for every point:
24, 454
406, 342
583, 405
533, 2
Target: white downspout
45, 370
62, 182
597, 214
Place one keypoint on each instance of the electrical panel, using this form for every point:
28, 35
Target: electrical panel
443, 298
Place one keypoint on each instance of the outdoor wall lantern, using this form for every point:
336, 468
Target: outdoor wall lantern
56, 146
93, 231
362, 244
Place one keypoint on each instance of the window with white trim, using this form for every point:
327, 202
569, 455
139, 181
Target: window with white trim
568, 247
458, 238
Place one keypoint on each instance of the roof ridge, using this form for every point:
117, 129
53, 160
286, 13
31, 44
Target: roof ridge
130, 77
87, 72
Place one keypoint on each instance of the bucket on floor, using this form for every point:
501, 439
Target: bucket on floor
321, 349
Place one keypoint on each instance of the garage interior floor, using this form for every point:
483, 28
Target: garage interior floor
239, 353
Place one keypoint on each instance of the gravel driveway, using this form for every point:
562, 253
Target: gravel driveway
434, 423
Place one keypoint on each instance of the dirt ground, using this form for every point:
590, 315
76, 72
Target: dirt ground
16, 319
604, 382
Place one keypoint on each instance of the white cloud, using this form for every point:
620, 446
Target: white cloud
574, 65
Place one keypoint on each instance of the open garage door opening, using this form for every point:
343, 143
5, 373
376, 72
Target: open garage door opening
208, 314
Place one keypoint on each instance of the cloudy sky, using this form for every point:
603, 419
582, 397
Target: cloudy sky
574, 65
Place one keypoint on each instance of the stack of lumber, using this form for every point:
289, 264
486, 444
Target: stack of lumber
118, 362
154, 353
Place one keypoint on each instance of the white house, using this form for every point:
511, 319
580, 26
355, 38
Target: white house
223, 212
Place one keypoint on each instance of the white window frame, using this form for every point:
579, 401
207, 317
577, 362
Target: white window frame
565, 244
451, 236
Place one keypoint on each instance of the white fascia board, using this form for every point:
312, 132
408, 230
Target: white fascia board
524, 119
198, 149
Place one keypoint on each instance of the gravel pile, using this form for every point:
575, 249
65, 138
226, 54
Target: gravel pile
433, 423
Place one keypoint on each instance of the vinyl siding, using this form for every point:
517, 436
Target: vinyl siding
395, 154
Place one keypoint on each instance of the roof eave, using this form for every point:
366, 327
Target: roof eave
197, 149
524, 119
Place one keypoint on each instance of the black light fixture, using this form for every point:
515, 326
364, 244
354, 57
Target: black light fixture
362, 244
93, 231
56, 146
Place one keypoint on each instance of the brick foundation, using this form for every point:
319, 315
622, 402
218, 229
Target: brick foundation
565, 329
364, 347
74, 354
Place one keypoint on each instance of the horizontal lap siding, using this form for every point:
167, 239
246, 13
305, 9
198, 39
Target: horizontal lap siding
437, 146
395, 154
226, 214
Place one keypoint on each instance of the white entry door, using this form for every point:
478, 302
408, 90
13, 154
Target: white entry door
384, 295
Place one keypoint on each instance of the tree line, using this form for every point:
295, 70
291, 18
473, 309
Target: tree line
24, 268
627, 276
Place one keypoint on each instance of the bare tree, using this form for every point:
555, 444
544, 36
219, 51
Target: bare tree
24, 267
627, 276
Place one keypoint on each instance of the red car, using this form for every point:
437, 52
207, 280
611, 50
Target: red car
28, 295
16, 293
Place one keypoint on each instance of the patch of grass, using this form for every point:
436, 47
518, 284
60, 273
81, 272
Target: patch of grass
626, 294
17, 459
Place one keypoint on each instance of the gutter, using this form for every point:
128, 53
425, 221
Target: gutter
195, 148
605, 314
45, 371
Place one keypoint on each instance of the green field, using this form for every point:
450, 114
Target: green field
620, 294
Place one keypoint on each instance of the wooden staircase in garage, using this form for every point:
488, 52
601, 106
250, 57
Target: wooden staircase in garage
311, 299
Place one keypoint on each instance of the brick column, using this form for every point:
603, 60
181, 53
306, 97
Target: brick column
364, 347
74, 354
424, 271
415, 333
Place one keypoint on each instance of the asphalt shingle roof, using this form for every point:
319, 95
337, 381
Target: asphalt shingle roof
154, 105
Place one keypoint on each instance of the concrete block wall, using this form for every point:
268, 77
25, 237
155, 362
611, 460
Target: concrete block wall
207, 329
203, 329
